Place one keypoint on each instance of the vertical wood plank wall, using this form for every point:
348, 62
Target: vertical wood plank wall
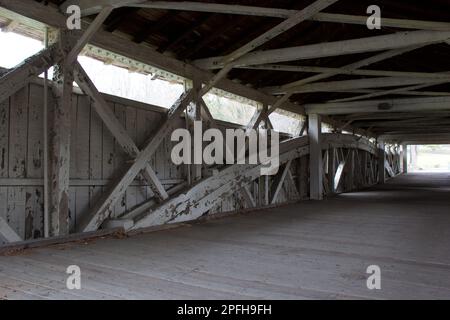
95, 159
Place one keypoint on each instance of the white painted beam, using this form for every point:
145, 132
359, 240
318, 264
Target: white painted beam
28, 10
19, 76
377, 106
89, 7
405, 158
416, 137
404, 90
353, 66
59, 141
103, 208
7, 232
315, 157
389, 169
357, 72
286, 13
88, 34
338, 175
381, 163
332, 170
345, 85
329, 49
194, 202
227, 62
286, 25
117, 129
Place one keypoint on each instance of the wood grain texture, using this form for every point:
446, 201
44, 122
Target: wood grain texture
310, 250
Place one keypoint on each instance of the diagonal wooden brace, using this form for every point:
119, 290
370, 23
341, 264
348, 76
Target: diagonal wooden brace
15, 79
103, 208
117, 130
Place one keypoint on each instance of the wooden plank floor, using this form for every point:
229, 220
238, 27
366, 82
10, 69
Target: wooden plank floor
311, 250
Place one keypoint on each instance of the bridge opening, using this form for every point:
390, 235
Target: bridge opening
429, 158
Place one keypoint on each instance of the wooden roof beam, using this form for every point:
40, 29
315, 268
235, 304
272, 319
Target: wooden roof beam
386, 106
286, 13
338, 86
329, 49
228, 62
355, 72
51, 16
89, 7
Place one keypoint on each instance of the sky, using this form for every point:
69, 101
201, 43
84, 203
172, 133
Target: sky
109, 79
16, 48
120, 82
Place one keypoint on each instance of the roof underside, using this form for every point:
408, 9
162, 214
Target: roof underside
189, 35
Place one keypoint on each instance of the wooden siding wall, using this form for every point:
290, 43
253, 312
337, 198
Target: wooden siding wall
95, 159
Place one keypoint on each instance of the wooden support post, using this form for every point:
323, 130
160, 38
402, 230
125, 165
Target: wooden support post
365, 159
59, 141
331, 169
405, 158
381, 163
45, 142
263, 191
315, 157
351, 170
303, 181
194, 113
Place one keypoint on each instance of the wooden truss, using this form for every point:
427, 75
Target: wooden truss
336, 162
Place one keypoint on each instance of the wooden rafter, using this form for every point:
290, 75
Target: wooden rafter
228, 62
337, 86
286, 13
329, 49
373, 106
121, 46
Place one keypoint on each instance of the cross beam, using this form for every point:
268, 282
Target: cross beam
117, 129
346, 71
286, 13
375, 106
337, 86
89, 7
103, 208
125, 48
227, 62
329, 49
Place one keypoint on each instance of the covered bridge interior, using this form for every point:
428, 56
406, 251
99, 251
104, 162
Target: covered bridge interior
77, 164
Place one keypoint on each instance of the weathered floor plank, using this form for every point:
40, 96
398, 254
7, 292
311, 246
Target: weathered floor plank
310, 250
